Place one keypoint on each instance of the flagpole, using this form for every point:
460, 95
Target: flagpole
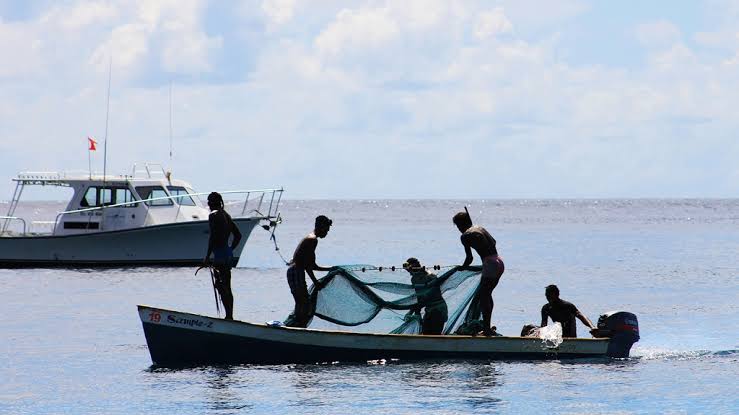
89, 159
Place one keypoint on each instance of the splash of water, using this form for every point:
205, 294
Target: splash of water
551, 335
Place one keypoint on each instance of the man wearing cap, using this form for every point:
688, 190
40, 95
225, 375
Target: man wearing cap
221, 228
304, 261
562, 312
428, 295
477, 238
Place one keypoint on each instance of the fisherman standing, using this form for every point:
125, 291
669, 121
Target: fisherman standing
221, 228
477, 238
304, 261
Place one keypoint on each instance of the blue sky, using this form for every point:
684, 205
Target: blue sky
372, 99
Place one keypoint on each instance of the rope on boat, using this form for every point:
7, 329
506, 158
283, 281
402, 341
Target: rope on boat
273, 226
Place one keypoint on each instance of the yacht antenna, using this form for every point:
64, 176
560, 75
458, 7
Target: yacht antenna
170, 125
107, 114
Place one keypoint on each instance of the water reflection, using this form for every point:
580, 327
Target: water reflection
482, 382
220, 383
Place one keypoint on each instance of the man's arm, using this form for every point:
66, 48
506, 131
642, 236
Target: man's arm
210, 240
585, 320
312, 277
237, 234
544, 317
305, 255
467, 252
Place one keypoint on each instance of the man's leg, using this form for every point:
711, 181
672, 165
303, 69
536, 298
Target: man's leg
223, 284
302, 305
486, 303
490, 277
301, 312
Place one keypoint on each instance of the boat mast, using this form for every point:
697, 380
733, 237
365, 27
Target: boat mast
105, 146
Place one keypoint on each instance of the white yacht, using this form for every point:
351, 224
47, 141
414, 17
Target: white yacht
146, 218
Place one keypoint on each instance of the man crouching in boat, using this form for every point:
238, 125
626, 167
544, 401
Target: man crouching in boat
477, 238
562, 312
428, 293
304, 261
221, 227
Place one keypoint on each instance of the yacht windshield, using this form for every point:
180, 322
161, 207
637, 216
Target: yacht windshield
183, 197
152, 192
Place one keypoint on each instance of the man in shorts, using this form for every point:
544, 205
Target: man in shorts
477, 238
304, 261
221, 228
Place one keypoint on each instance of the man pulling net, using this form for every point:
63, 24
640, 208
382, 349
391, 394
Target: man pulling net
383, 300
428, 297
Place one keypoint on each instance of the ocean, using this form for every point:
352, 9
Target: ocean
71, 340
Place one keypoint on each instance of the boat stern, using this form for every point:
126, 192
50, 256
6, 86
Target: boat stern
622, 328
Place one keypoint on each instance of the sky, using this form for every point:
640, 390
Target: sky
380, 99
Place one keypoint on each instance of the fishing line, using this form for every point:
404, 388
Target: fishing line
215, 290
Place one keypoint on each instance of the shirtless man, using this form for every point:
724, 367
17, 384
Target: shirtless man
221, 228
304, 261
562, 312
428, 293
477, 238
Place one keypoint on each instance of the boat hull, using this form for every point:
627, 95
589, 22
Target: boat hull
181, 243
183, 339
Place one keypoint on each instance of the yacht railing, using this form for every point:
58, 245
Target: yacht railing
149, 168
271, 213
8, 219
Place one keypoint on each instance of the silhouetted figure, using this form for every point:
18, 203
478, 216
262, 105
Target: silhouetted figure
428, 293
221, 228
477, 238
304, 261
562, 312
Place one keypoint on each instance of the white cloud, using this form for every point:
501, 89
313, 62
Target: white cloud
355, 31
658, 34
80, 14
20, 47
279, 11
371, 98
128, 44
492, 23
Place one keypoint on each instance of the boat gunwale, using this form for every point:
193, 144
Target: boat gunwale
141, 307
136, 229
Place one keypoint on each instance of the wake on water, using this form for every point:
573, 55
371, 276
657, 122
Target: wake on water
654, 353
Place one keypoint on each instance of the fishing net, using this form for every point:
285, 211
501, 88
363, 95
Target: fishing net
376, 300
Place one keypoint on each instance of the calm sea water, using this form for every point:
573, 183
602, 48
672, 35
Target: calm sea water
71, 341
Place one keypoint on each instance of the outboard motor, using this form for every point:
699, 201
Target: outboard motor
623, 329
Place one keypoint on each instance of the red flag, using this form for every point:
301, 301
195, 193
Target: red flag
92, 144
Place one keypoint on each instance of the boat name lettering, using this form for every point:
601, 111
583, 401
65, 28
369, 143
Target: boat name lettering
192, 322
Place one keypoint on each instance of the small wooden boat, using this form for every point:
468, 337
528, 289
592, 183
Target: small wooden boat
183, 339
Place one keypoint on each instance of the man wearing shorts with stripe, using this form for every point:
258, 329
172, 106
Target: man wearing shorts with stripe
477, 238
304, 261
